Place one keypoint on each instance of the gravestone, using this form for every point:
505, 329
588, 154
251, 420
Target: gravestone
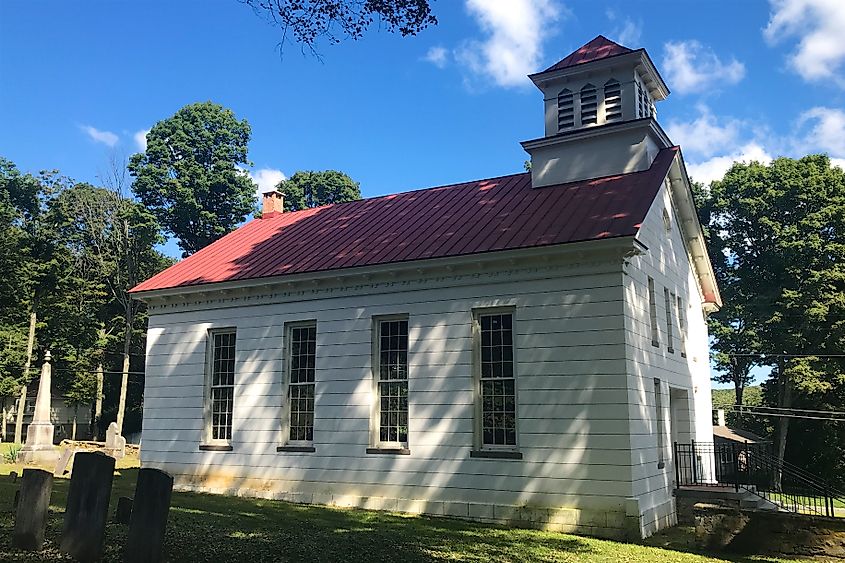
115, 443
64, 461
124, 510
39, 434
87, 506
32, 509
145, 540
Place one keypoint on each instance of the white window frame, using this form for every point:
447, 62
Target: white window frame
476, 368
669, 303
652, 313
288, 371
208, 429
376, 442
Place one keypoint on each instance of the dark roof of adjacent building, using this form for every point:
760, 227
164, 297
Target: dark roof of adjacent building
503, 213
737, 435
599, 48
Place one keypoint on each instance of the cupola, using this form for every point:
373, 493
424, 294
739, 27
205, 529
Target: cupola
600, 118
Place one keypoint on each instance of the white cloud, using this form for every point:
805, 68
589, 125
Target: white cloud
266, 178
826, 130
693, 68
106, 137
628, 33
438, 56
840, 162
704, 136
817, 25
516, 31
141, 139
714, 168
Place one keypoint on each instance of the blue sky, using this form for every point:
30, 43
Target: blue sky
81, 81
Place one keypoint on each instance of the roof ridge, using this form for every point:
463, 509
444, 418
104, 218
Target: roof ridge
376, 197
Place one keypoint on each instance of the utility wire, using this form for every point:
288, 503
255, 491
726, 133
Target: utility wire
788, 409
803, 417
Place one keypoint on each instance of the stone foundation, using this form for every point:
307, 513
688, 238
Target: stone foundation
596, 523
769, 532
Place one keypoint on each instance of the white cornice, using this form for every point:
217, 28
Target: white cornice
613, 249
648, 124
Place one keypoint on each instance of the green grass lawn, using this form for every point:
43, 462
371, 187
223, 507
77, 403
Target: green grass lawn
216, 528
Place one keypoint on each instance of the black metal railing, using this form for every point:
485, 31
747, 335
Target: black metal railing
753, 468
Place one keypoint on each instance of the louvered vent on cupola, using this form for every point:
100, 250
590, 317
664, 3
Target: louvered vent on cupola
565, 110
612, 101
589, 105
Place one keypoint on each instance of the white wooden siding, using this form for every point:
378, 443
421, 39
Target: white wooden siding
576, 434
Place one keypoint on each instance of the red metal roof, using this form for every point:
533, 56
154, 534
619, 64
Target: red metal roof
599, 48
483, 216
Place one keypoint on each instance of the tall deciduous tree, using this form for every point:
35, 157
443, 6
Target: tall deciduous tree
312, 189
781, 232
308, 20
112, 237
190, 174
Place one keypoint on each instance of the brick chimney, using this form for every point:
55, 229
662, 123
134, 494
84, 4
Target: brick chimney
271, 203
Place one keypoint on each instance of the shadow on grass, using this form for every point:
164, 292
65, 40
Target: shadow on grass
205, 527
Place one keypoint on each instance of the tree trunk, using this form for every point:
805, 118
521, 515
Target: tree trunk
30, 344
98, 404
124, 376
3, 423
73, 428
784, 401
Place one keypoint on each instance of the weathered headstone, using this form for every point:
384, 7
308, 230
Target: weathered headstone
115, 443
87, 506
124, 510
32, 509
145, 540
64, 460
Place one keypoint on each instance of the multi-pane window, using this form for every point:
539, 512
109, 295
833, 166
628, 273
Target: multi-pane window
392, 381
222, 384
612, 101
565, 110
660, 426
652, 313
497, 379
589, 105
682, 326
669, 300
302, 353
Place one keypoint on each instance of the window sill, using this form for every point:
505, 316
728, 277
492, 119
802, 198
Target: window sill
389, 451
216, 447
300, 449
493, 454
671, 350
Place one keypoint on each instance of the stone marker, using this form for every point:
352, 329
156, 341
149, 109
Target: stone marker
64, 460
115, 443
145, 540
33, 505
39, 434
123, 511
87, 506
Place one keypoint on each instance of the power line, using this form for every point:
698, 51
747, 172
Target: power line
777, 355
788, 409
803, 417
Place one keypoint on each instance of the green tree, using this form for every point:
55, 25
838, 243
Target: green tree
307, 188
112, 239
777, 233
190, 176
336, 20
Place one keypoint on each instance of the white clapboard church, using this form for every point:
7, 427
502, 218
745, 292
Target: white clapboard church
524, 348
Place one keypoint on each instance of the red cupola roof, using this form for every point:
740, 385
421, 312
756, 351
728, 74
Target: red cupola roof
599, 48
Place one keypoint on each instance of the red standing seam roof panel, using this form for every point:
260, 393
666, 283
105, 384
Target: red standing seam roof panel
502, 213
599, 48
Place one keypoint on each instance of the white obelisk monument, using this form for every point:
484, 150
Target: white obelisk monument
39, 434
